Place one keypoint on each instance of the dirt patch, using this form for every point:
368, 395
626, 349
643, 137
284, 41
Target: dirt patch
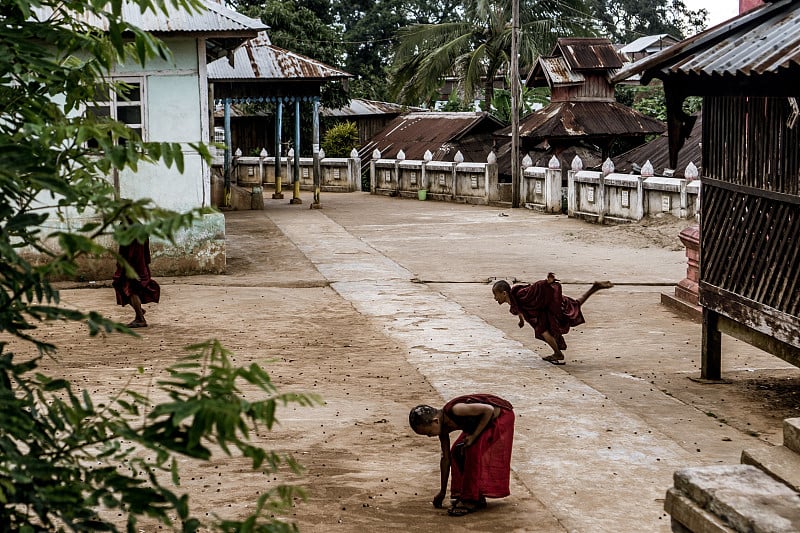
660, 231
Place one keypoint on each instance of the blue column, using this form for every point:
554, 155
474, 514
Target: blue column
315, 155
296, 196
227, 161
278, 194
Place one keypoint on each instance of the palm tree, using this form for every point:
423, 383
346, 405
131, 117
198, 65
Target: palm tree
478, 47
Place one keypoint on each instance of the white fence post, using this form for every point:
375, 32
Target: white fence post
572, 196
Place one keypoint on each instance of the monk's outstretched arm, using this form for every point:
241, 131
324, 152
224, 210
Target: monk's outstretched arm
444, 470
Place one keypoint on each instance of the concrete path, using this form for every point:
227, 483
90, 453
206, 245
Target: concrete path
598, 463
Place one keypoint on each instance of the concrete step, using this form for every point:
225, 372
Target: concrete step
688, 517
740, 497
791, 434
779, 462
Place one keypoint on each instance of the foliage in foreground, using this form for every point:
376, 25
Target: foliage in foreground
64, 453
65, 456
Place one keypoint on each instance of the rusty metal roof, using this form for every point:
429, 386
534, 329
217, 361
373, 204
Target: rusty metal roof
556, 71
574, 120
258, 59
213, 18
572, 56
588, 53
442, 133
764, 40
358, 107
657, 152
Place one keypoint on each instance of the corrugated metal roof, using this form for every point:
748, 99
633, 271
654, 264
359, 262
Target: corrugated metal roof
442, 133
558, 72
657, 152
257, 59
213, 18
359, 107
588, 53
585, 119
763, 40
649, 42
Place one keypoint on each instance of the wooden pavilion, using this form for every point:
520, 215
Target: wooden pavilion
262, 72
747, 71
582, 111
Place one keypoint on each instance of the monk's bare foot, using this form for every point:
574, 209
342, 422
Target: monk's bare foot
137, 324
602, 285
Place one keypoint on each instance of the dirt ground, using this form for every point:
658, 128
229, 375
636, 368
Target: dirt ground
364, 469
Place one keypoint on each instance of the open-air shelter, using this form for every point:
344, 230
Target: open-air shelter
264, 73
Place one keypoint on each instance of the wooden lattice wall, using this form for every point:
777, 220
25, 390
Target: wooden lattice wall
750, 227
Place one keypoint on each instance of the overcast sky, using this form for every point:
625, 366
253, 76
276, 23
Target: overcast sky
718, 10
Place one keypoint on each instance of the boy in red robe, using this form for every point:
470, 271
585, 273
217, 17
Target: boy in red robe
140, 290
546, 309
480, 458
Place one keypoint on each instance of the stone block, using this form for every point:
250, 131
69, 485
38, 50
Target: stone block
791, 434
743, 497
689, 517
779, 462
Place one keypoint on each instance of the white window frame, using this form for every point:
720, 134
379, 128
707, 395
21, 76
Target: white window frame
115, 103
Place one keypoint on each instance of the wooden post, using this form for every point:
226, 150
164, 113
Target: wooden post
712, 346
515, 94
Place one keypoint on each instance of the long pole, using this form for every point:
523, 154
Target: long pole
515, 89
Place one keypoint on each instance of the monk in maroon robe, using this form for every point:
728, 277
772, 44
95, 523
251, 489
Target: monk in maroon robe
139, 290
546, 309
480, 458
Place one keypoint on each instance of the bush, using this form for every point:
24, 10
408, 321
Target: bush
340, 140
67, 453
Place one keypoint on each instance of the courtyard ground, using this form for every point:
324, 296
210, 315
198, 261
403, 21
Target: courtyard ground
378, 304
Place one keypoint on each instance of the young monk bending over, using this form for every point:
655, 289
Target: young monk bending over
549, 312
480, 459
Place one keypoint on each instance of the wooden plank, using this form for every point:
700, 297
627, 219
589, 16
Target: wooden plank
751, 191
765, 320
711, 348
771, 345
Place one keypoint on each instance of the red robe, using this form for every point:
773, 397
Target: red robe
482, 470
546, 309
138, 256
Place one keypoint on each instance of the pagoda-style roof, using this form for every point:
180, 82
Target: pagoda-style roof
572, 59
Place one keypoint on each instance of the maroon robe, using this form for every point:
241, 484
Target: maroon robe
546, 309
482, 470
138, 256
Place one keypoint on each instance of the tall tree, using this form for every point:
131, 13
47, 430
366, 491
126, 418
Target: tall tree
369, 32
65, 454
305, 28
626, 20
476, 48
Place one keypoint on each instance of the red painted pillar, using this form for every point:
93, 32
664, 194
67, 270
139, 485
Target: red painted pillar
687, 288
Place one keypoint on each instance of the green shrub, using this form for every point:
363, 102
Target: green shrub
340, 140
